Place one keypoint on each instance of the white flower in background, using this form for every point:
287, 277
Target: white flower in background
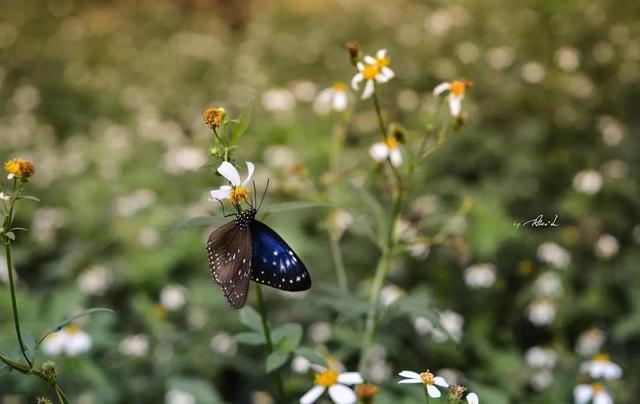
587, 182
332, 98
541, 357
237, 191
339, 221
177, 396
300, 364
427, 378
278, 100
95, 281
320, 332
595, 393
173, 297
280, 157
548, 284
224, 343
129, 205
452, 324
389, 149
541, 379
182, 159
419, 249
134, 345
373, 70
590, 341
601, 367
70, 341
554, 255
455, 90
4, 196
4, 273
541, 312
336, 383
480, 276
390, 294
606, 246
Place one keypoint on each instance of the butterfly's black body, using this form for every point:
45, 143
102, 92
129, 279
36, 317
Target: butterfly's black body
247, 249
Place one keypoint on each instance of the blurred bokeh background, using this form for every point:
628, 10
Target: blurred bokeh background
106, 98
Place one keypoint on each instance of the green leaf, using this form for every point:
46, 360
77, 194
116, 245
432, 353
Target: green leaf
198, 221
287, 337
61, 325
250, 338
275, 360
19, 229
29, 197
251, 318
287, 206
10, 235
311, 355
243, 123
4, 369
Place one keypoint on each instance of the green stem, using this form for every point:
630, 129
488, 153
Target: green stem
267, 335
376, 103
338, 263
14, 304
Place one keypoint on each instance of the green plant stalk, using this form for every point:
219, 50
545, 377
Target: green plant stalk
334, 240
31, 371
338, 263
376, 104
267, 335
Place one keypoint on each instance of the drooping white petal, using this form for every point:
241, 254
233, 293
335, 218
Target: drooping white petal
360, 66
221, 193
340, 101
381, 78
441, 88
582, 393
312, 395
369, 60
250, 169
455, 104
396, 157
410, 375
350, 378
228, 171
611, 371
439, 381
341, 394
433, 391
472, 398
368, 89
355, 81
602, 397
379, 152
381, 53
409, 381
388, 73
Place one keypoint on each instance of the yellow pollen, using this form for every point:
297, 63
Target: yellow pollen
601, 358
340, 86
383, 62
457, 87
239, 194
427, 377
370, 72
391, 142
597, 387
326, 378
20, 168
72, 329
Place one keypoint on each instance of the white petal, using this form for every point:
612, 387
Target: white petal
409, 374
379, 151
441, 88
10, 176
611, 371
369, 60
440, 381
433, 391
355, 81
312, 395
582, 393
368, 89
53, 344
455, 104
340, 101
360, 66
381, 53
396, 157
410, 381
350, 378
472, 398
381, 78
341, 394
602, 397
325, 95
228, 171
318, 368
388, 73
250, 169
77, 343
221, 193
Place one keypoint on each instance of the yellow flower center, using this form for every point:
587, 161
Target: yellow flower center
458, 87
239, 194
601, 358
391, 143
383, 62
340, 86
326, 378
427, 377
370, 72
72, 329
20, 168
214, 117
597, 387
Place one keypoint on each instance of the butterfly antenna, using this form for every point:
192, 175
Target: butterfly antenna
264, 194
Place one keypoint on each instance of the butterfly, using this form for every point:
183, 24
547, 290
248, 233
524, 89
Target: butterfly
245, 250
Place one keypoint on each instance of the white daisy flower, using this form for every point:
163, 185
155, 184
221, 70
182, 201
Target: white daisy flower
601, 366
237, 191
427, 378
173, 297
134, 345
70, 341
590, 341
595, 393
480, 276
456, 90
329, 379
541, 312
541, 357
554, 255
332, 98
388, 149
372, 70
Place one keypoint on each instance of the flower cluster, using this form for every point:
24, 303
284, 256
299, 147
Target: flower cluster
214, 117
432, 382
20, 169
600, 369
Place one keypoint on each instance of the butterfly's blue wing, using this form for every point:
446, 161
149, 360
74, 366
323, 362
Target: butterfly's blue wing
274, 263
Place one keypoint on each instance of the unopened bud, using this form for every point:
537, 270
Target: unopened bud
354, 51
49, 370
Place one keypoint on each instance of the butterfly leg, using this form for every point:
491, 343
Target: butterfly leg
222, 205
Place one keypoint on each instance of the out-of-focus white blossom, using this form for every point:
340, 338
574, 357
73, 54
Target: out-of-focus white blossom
300, 364
179, 160
452, 324
595, 393
606, 246
548, 284
480, 276
333, 98
177, 396
590, 341
587, 182
541, 379
541, 357
224, 343
320, 332
70, 341
390, 294
134, 345
541, 312
554, 255
95, 280
173, 297
601, 367
278, 100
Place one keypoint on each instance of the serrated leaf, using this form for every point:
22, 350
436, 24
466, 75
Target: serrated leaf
287, 337
251, 318
198, 221
61, 325
250, 338
243, 123
310, 355
275, 360
287, 206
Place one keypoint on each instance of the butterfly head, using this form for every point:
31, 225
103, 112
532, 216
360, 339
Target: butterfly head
244, 218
